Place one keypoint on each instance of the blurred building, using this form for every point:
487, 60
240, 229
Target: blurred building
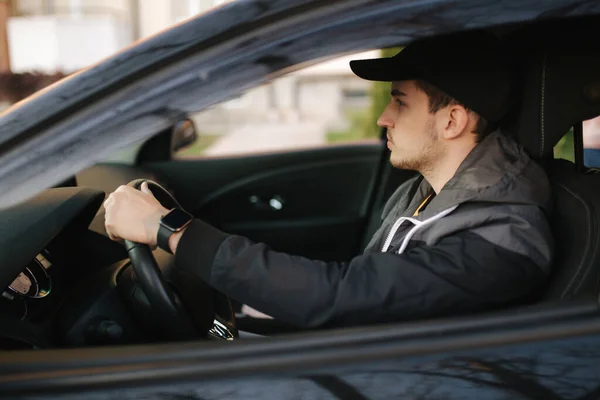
328, 94
67, 35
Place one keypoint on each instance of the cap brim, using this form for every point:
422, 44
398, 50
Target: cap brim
382, 70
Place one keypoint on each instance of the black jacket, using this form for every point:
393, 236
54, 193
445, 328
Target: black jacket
483, 242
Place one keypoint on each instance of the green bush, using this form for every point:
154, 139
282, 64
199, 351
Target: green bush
358, 120
564, 148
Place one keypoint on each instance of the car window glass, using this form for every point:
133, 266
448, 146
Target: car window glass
322, 105
591, 142
564, 148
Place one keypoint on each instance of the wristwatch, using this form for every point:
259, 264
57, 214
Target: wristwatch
172, 222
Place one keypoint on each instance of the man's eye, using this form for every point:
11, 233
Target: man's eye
399, 102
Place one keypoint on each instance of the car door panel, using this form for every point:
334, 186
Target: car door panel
313, 203
488, 356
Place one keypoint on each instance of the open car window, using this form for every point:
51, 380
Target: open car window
318, 106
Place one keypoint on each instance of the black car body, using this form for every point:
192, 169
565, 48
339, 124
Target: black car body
549, 349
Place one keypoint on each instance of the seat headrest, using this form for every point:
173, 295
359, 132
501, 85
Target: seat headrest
559, 79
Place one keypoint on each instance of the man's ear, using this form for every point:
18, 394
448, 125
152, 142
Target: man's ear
457, 120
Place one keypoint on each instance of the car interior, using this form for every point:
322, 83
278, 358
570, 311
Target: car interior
73, 286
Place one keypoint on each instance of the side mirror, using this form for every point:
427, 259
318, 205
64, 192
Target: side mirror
184, 133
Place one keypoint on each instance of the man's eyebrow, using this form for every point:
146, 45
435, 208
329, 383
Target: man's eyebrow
397, 93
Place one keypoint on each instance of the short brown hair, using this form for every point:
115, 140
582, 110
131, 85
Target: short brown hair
439, 99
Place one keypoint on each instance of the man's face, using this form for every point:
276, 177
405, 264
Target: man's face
411, 130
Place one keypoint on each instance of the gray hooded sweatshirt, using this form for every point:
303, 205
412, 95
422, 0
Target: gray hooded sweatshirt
482, 242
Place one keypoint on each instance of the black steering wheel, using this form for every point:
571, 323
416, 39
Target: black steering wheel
206, 317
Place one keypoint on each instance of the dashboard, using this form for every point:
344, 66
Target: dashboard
64, 283
47, 253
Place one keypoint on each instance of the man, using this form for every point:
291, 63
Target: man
469, 234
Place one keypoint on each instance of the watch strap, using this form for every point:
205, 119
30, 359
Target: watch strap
170, 223
162, 238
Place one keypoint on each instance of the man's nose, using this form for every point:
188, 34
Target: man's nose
384, 121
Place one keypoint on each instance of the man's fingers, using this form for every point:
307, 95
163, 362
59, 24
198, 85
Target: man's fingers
113, 237
109, 230
128, 212
144, 188
108, 201
122, 188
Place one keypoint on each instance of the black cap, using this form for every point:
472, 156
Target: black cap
470, 67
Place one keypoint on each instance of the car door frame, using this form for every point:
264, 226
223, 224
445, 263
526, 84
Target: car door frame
320, 353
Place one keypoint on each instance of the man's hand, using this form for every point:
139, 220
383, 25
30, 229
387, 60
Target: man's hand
133, 215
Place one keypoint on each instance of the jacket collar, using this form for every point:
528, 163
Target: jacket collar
488, 174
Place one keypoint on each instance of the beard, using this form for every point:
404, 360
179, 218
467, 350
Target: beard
422, 159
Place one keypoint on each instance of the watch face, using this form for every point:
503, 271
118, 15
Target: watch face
176, 219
